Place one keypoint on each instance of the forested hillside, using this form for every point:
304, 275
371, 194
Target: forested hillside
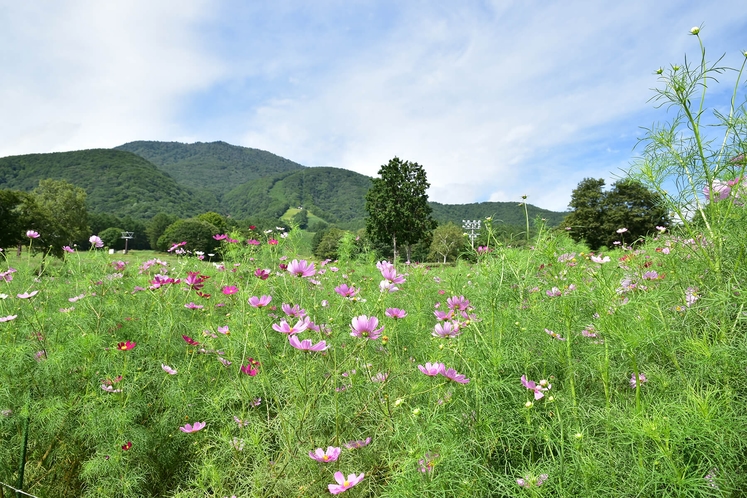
116, 182
216, 166
509, 213
141, 179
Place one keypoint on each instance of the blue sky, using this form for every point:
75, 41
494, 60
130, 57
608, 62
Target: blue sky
495, 99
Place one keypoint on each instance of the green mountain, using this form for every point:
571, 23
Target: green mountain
144, 178
116, 182
218, 167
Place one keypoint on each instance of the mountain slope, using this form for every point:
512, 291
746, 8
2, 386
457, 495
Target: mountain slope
509, 213
116, 182
216, 166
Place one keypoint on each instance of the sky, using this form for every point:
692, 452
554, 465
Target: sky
495, 99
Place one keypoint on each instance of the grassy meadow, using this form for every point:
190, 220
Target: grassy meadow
546, 371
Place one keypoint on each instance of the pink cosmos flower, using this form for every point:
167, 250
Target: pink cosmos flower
358, 444
168, 369
7, 318
444, 315
600, 260
306, 344
346, 291
293, 311
554, 335
331, 455
220, 236
27, 295
344, 483
230, 289
68, 249
193, 306
537, 388
641, 378
380, 377
32, 234
460, 303
389, 272
301, 268
177, 246
261, 274
272, 242
365, 327
395, 313
432, 369
284, 328
193, 428
252, 242
259, 302
110, 389
452, 374
387, 286
446, 329
96, 241
554, 292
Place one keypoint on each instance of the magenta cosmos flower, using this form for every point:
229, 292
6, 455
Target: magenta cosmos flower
332, 454
261, 274
126, 346
395, 313
190, 341
285, 328
259, 302
306, 344
432, 369
458, 302
365, 327
230, 289
32, 234
193, 428
301, 268
249, 370
344, 483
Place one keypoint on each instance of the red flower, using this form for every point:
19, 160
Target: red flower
127, 446
126, 346
190, 341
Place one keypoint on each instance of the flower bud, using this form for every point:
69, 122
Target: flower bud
694, 30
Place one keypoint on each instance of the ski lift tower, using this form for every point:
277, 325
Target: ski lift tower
127, 236
471, 225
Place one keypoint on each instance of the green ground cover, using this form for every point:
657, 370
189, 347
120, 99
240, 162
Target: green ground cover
105, 416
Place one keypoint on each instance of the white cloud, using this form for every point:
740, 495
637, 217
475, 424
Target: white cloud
495, 100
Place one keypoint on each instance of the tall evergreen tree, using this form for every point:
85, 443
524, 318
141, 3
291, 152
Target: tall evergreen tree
397, 205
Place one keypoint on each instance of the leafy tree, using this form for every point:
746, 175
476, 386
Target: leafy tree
301, 219
397, 205
597, 215
112, 238
587, 202
198, 235
448, 241
631, 205
57, 210
11, 226
215, 219
157, 226
326, 242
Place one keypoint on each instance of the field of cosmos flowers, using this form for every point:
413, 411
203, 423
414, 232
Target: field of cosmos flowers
546, 371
